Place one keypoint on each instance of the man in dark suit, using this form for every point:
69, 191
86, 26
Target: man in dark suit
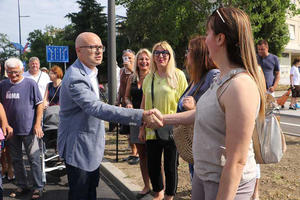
81, 138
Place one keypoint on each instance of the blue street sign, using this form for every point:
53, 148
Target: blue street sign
57, 53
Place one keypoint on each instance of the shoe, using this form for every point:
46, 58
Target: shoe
19, 192
37, 194
292, 108
11, 178
128, 158
141, 195
134, 160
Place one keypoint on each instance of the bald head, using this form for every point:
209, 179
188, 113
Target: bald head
84, 38
89, 49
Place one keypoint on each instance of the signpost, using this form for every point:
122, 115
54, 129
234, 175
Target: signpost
57, 54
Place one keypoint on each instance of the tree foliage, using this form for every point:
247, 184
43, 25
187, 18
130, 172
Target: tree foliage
6, 49
150, 21
40, 39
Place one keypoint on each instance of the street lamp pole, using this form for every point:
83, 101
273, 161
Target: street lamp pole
19, 27
19, 15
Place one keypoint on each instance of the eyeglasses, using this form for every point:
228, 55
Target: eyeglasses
220, 16
13, 72
164, 53
94, 48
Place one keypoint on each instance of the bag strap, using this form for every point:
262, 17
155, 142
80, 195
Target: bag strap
152, 90
200, 85
39, 78
226, 80
55, 92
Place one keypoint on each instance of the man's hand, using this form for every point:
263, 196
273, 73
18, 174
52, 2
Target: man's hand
153, 118
271, 89
37, 130
189, 103
7, 130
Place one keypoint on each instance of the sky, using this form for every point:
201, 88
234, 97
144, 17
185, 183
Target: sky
41, 14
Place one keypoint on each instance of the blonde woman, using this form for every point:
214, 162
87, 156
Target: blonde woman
168, 85
224, 162
133, 99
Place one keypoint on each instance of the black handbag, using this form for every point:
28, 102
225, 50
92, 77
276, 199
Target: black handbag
164, 133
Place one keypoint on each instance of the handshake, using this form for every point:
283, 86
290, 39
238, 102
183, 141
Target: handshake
153, 118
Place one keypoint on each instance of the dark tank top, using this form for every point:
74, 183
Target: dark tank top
136, 94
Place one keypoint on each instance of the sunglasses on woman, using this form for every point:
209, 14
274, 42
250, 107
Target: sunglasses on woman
164, 53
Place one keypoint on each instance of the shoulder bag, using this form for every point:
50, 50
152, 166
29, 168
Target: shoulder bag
183, 135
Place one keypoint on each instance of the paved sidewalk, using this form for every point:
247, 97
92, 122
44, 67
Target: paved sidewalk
286, 111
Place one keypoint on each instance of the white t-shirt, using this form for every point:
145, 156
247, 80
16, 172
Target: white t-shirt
42, 79
296, 75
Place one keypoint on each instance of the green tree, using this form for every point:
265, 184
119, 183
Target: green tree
39, 39
268, 19
151, 21
92, 19
6, 48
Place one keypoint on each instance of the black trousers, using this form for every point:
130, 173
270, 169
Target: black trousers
82, 183
155, 148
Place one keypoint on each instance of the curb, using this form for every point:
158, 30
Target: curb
120, 180
289, 115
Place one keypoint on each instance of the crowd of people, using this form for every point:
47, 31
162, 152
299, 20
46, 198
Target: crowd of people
224, 95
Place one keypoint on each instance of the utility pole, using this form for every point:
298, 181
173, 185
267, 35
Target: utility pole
20, 40
112, 82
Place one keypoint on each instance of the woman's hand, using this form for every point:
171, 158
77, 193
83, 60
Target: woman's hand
142, 134
189, 103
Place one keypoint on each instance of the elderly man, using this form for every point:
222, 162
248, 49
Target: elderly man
81, 134
34, 72
22, 102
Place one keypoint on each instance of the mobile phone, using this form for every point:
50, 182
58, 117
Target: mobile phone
125, 59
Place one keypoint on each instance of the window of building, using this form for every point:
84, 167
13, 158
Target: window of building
292, 31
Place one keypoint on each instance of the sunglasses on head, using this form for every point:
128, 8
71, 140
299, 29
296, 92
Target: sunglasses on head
164, 53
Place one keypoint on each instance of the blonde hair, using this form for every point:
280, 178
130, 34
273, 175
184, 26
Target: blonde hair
171, 67
135, 66
235, 25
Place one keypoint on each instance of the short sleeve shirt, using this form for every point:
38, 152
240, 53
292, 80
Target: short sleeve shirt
296, 75
19, 101
269, 65
165, 97
42, 79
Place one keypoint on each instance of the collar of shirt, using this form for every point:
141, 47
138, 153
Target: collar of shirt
17, 82
92, 74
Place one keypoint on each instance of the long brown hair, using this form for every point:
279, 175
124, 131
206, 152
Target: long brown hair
235, 25
200, 62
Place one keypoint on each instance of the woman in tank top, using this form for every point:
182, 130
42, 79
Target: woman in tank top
133, 99
224, 161
52, 91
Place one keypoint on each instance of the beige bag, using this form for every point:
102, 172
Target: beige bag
183, 137
268, 140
